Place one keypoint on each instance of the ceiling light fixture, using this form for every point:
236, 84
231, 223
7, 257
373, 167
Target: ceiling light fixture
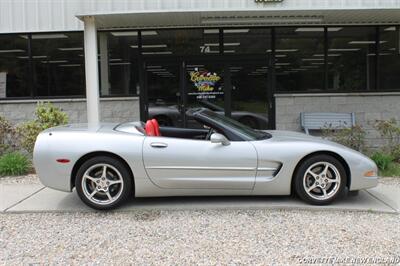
71, 49
211, 31
344, 49
12, 51
45, 36
225, 44
54, 61
237, 31
365, 42
283, 50
154, 46
390, 29
133, 33
311, 29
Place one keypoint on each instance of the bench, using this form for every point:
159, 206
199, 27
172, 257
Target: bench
317, 121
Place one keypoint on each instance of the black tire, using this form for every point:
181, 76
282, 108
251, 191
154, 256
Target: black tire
316, 196
117, 171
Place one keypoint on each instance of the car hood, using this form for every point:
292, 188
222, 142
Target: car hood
283, 134
291, 136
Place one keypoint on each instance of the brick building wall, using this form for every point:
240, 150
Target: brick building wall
368, 107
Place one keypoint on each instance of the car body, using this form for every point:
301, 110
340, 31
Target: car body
225, 158
171, 116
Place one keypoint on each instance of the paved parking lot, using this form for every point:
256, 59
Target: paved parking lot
36, 198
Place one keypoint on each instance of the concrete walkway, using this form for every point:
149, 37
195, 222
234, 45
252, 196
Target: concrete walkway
36, 198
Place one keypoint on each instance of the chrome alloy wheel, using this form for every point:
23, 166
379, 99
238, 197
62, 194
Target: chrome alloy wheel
102, 184
321, 181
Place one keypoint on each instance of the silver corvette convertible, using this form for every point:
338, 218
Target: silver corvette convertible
113, 162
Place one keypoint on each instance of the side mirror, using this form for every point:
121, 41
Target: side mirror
219, 138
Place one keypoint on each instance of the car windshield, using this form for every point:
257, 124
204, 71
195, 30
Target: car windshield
245, 131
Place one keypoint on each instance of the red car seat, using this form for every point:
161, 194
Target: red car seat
150, 130
156, 127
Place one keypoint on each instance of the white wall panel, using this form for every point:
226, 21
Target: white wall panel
59, 15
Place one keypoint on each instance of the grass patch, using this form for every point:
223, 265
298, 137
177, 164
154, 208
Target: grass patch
14, 163
393, 169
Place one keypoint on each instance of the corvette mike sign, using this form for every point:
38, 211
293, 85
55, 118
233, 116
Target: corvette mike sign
206, 84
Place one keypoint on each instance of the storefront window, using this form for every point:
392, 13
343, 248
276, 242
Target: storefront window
250, 104
351, 58
119, 64
249, 77
246, 41
14, 67
389, 59
180, 42
299, 59
58, 60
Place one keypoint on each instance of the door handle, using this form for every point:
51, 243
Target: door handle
159, 145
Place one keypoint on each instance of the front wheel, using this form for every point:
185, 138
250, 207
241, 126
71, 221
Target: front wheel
103, 183
320, 180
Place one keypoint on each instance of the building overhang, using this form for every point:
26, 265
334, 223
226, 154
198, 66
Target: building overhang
239, 18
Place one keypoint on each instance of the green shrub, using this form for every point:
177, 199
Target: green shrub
353, 137
390, 132
9, 139
14, 163
393, 170
47, 116
396, 153
382, 160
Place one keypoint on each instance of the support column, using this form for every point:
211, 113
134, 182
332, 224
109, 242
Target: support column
92, 72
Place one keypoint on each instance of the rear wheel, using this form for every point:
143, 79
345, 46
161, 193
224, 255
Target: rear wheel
103, 183
320, 180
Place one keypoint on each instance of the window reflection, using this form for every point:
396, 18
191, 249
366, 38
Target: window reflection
299, 63
249, 94
246, 41
58, 64
119, 64
351, 59
180, 42
14, 70
389, 59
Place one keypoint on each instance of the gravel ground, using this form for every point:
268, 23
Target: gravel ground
196, 237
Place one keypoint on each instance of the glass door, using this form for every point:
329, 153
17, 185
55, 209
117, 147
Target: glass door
204, 87
164, 103
233, 87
